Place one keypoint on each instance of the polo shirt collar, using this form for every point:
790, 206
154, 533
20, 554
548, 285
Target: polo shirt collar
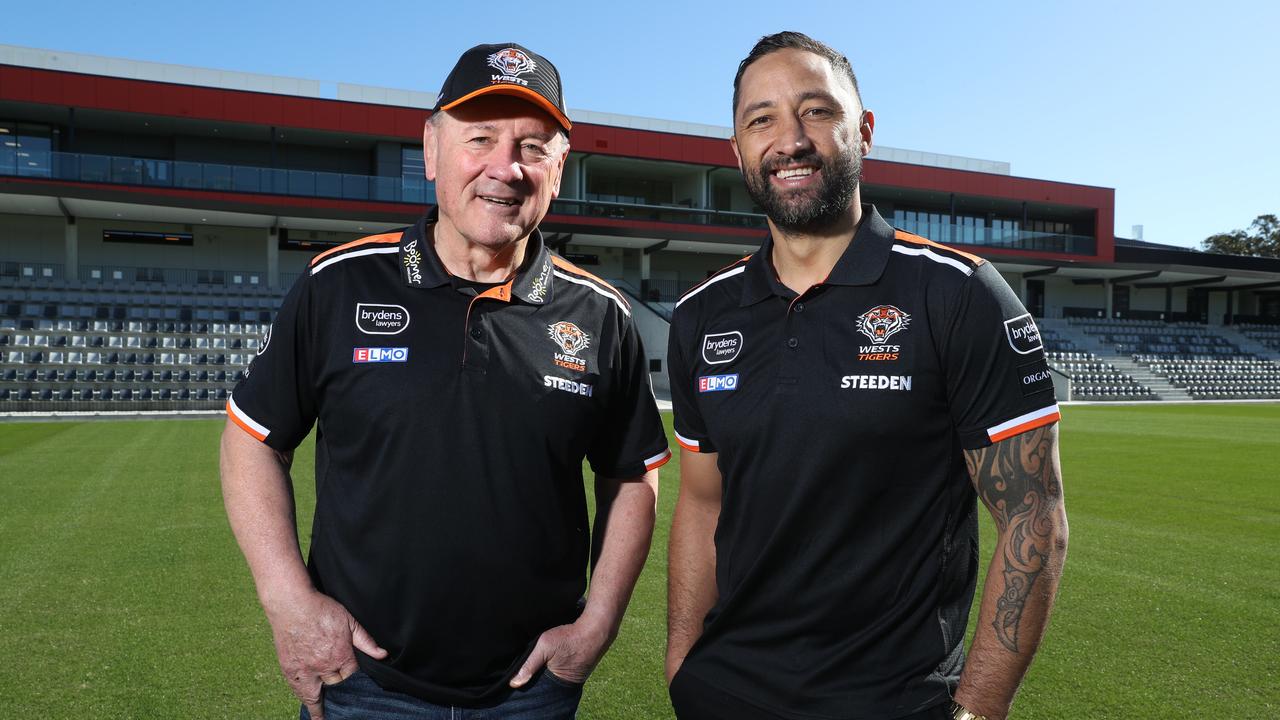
424, 269
862, 263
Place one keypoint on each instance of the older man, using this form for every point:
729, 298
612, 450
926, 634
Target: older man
830, 392
457, 374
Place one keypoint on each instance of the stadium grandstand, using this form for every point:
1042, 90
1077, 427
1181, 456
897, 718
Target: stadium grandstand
153, 216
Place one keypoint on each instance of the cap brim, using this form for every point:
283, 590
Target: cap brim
519, 91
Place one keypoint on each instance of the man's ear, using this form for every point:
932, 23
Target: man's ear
866, 129
430, 152
559, 169
733, 143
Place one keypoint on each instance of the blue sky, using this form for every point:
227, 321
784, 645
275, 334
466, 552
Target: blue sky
1173, 104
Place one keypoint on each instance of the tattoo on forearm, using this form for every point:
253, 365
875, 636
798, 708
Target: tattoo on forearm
1017, 480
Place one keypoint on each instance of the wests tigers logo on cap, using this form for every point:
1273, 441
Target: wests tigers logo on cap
512, 63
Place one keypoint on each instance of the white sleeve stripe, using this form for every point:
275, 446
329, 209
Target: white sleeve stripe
926, 252
357, 253
686, 441
1022, 420
587, 283
712, 281
657, 458
240, 414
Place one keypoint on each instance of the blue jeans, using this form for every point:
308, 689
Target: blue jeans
544, 697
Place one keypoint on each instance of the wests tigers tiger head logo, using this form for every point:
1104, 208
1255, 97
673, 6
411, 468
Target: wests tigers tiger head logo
569, 337
512, 61
881, 322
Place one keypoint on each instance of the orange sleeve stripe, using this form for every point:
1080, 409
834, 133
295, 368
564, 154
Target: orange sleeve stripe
687, 446
917, 240
1024, 427
666, 458
384, 238
235, 419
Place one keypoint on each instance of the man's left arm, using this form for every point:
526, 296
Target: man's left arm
1019, 480
625, 511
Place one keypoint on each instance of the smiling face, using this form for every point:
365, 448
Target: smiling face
800, 134
496, 162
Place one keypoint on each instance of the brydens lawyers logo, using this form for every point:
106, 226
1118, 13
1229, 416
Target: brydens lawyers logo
380, 355
377, 319
572, 340
881, 322
512, 63
1024, 336
720, 348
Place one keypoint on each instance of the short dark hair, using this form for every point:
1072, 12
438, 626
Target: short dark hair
789, 40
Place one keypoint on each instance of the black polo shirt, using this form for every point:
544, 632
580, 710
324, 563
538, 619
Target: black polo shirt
846, 550
451, 426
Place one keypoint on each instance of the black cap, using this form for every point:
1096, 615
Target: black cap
505, 69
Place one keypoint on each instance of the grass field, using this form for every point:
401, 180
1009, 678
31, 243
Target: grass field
122, 593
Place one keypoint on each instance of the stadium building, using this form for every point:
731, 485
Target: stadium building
152, 217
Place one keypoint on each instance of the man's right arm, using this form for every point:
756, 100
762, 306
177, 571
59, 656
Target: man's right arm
691, 560
313, 633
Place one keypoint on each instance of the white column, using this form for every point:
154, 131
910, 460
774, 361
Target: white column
1106, 291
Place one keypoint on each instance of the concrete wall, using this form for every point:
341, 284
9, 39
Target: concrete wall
213, 248
689, 269
1064, 293
612, 262
1217, 307
32, 238
1149, 299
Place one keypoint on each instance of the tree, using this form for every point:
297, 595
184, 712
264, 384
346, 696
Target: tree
1262, 239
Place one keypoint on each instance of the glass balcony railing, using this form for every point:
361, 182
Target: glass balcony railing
660, 213
83, 167
962, 235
